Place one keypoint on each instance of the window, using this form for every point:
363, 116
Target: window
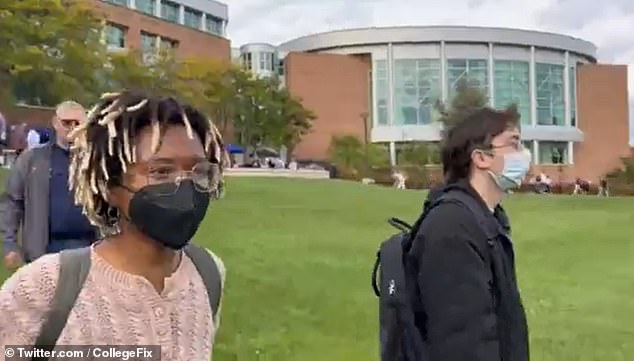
573, 96
214, 25
246, 61
170, 11
118, 2
115, 36
193, 18
551, 107
146, 6
280, 67
381, 91
512, 86
473, 71
148, 43
168, 44
416, 90
553, 152
266, 61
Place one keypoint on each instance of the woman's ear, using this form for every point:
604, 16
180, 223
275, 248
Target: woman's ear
118, 197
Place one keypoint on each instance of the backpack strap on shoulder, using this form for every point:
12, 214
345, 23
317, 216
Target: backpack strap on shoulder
209, 272
486, 221
73, 270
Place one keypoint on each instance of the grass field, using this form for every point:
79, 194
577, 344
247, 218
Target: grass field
299, 255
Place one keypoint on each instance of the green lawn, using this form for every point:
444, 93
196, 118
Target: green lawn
299, 255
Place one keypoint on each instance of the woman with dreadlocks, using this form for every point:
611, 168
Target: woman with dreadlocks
144, 170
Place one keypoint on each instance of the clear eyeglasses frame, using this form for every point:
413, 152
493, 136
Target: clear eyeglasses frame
204, 175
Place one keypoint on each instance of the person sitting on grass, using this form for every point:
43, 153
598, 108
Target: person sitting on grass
144, 169
582, 186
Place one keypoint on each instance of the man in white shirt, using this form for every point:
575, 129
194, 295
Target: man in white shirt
399, 179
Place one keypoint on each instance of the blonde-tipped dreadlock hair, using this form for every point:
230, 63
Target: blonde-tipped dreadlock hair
104, 146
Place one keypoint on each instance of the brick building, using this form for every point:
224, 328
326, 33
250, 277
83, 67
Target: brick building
575, 114
195, 28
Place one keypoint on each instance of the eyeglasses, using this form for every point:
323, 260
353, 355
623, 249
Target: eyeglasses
69, 123
204, 175
517, 146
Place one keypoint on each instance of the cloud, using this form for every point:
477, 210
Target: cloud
608, 24
276, 21
575, 14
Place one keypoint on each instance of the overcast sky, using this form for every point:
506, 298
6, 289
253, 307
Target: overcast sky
609, 24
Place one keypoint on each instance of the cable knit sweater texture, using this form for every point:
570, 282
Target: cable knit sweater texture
114, 308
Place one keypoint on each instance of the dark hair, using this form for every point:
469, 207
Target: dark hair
475, 131
104, 146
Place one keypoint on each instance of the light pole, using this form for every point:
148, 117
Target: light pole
364, 118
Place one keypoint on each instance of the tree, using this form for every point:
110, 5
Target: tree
127, 70
467, 99
50, 50
257, 110
253, 107
214, 87
291, 122
267, 114
346, 152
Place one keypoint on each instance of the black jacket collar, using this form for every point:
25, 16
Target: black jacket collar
463, 185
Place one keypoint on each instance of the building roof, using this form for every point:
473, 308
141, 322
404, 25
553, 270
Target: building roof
425, 34
257, 47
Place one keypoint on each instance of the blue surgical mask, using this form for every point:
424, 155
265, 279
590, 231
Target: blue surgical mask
516, 167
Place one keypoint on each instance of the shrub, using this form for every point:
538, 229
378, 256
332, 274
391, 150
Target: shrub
378, 156
621, 181
418, 154
346, 153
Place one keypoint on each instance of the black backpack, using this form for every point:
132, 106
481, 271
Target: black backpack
400, 339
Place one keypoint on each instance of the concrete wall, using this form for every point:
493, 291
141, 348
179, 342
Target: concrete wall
336, 88
191, 42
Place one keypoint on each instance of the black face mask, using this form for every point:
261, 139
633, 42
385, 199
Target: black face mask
169, 217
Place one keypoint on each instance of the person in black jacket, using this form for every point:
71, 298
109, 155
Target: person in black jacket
468, 305
499, 212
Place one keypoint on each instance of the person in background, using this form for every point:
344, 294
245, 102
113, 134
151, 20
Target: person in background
582, 186
17, 139
292, 165
399, 179
603, 188
467, 300
145, 170
3, 130
37, 199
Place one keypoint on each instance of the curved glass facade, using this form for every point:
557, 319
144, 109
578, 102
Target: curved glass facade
572, 79
416, 90
474, 71
405, 93
381, 92
549, 85
512, 86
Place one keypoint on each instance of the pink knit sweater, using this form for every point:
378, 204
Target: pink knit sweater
113, 308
